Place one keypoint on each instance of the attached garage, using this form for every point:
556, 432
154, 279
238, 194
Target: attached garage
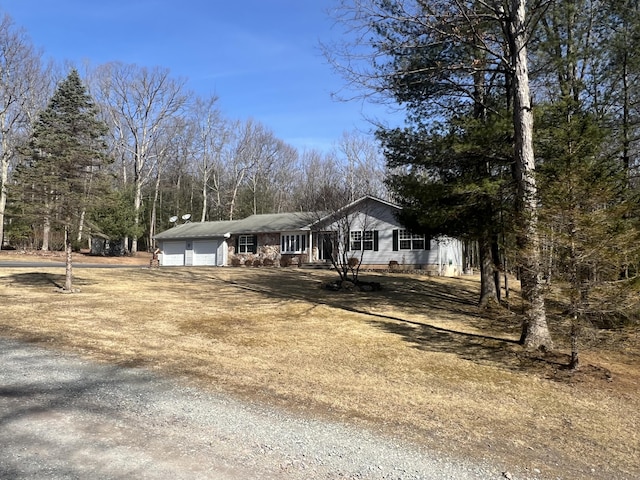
173, 253
205, 252
194, 243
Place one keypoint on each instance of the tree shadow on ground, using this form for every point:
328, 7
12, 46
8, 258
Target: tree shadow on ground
412, 299
504, 353
409, 298
41, 279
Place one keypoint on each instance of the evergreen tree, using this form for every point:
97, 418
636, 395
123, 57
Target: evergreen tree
585, 213
617, 79
114, 217
455, 179
62, 175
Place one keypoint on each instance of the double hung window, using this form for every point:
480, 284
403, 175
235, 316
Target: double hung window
410, 241
246, 244
363, 240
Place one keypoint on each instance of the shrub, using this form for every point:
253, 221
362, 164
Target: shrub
285, 261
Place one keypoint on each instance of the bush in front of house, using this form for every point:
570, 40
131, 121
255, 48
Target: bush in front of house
285, 261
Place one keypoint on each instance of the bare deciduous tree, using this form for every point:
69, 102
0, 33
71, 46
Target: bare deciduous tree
364, 166
241, 158
23, 91
211, 135
141, 105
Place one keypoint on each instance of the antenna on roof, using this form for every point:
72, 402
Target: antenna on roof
173, 219
186, 216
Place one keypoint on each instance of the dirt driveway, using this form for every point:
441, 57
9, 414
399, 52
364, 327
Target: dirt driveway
62, 417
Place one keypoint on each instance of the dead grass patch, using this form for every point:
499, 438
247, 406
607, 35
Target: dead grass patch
416, 360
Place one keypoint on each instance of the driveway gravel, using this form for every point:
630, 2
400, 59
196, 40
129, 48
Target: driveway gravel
63, 417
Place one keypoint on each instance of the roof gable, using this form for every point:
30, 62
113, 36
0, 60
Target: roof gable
368, 205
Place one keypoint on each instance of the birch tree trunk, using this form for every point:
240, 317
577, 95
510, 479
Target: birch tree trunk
535, 331
4, 178
154, 209
46, 231
205, 193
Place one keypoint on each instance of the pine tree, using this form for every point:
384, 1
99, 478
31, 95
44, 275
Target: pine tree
455, 179
63, 175
585, 213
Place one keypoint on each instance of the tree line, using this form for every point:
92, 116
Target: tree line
158, 150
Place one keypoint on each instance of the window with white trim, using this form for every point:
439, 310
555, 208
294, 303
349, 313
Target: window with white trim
367, 240
362, 240
293, 243
355, 240
410, 241
245, 244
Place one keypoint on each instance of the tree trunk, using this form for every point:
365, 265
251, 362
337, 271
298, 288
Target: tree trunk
575, 334
46, 231
68, 277
488, 292
154, 211
83, 213
4, 178
205, 193
495, 257
3, 198
137, 204
535, 331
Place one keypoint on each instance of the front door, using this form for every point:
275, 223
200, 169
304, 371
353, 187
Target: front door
327, 241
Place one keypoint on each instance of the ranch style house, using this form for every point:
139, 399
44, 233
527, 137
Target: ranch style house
366, 230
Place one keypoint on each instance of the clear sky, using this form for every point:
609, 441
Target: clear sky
261, 57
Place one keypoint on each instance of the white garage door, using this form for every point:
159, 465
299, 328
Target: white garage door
204, 252
173, 254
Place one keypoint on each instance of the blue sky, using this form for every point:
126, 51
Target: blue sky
261, 57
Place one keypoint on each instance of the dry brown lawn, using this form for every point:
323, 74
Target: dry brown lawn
416, 360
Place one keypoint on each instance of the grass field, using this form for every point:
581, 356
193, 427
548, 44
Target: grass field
416, 360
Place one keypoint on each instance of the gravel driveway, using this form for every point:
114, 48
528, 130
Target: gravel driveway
63, 417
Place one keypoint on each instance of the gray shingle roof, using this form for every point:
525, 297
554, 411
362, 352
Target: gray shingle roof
197, 230
275, 222
264, 223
